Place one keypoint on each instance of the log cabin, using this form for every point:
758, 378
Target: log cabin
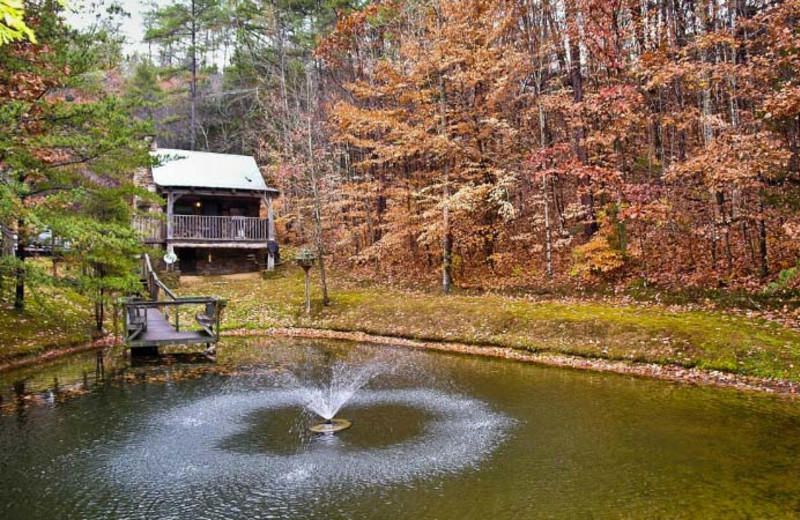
218, 215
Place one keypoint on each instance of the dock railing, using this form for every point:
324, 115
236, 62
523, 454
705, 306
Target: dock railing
162, 298
154, 285
135, 316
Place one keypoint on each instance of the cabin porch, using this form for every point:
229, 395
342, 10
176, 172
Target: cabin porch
213, 231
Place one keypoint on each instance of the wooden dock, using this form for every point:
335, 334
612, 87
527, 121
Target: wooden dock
155, 321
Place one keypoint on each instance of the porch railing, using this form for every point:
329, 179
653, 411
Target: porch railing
152, 230
201, 228
233, 229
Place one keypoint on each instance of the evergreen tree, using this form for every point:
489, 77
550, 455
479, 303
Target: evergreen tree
12, 22
62, 134
187, 30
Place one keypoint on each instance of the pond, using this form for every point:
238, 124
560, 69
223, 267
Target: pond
433, 436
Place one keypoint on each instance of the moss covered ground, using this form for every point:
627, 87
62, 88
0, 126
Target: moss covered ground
54, 317
598, 328
592, 328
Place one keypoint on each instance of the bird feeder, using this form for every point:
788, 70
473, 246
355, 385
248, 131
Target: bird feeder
305, 258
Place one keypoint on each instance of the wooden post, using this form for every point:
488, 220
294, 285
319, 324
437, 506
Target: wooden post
270, 232
115, 311
170, 231
305, 259
124, 323
218, 306
306, 270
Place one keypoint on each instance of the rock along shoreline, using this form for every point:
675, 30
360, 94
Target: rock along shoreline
666, 372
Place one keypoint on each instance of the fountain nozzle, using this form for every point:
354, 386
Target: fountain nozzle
330, 426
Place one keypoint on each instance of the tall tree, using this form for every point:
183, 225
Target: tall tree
508, 142
625, 111
61, 132
187, 29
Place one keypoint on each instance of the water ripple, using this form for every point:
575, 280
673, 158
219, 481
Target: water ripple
181, 447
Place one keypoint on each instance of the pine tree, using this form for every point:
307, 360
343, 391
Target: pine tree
61, 133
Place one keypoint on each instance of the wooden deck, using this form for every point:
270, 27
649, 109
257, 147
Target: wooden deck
160, 332
201, 229
151, 322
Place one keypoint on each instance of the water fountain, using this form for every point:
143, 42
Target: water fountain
330, 426
264, 443
346, 377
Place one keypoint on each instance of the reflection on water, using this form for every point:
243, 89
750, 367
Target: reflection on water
444, 437
84, 372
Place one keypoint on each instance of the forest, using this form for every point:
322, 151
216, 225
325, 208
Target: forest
508, 259
462, 143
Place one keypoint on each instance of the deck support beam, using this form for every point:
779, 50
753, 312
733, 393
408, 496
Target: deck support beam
170, 207
172, 198
270, 232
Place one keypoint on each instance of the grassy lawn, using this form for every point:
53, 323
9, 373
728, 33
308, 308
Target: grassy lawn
53, 318
57, 317
709, 340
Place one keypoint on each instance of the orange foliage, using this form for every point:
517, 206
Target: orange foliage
499, 110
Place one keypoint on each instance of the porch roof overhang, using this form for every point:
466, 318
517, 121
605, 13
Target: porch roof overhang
218, 192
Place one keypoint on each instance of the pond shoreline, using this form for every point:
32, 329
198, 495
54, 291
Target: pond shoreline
55, 353
665, 372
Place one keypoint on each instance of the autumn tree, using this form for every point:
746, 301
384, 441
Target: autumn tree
614, 139
433, 123
523, 143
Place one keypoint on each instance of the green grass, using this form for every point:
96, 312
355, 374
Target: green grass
54, 317
709, 340
57, 317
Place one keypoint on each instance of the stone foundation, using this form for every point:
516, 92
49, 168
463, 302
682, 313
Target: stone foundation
211, 261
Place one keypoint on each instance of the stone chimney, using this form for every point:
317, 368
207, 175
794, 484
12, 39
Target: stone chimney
143, 177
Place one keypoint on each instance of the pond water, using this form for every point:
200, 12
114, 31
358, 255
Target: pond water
434, 436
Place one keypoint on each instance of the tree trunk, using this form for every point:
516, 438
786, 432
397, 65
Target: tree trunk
548, 241
22, 253
447, 239
193, 87
447, 242
762, 238
558, 203
285, 124
320, 245
587, 198
7, 240
99, 311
